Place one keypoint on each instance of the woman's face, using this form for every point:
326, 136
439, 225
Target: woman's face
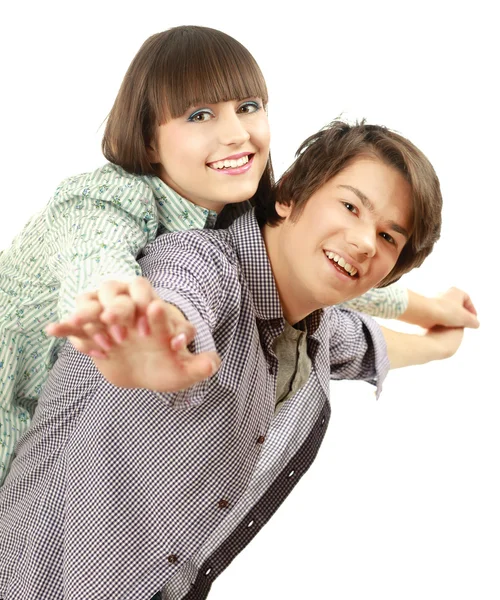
214, 154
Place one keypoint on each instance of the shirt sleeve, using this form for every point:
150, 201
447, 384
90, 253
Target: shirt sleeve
388, 302
194, 277
97, 224
357, 348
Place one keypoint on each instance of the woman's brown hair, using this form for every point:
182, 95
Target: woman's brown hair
333, 148
172, 71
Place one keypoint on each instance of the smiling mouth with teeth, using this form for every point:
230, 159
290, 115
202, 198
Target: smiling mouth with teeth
348, 268
231, 164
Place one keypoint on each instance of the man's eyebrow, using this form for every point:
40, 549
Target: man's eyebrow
399, 229
364, 199
367, 204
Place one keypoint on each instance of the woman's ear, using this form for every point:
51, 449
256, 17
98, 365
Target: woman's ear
152, 155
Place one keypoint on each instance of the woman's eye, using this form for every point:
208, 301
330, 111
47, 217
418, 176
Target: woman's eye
200, 116
350, 207
388, 237
249, 107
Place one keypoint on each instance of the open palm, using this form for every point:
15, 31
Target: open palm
152, 361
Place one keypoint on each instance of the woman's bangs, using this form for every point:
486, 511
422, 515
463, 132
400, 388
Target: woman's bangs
211, 76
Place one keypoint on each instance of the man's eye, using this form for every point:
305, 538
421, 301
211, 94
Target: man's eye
249, 107
200, 116
388, 237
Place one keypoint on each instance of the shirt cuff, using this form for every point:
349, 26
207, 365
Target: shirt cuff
382, 364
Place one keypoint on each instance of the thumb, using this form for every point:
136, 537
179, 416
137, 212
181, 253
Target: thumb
201, 366
470, 319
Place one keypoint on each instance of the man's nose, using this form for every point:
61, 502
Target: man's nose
363, 240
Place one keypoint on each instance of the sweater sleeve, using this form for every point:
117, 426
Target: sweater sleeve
388, 303
97, 224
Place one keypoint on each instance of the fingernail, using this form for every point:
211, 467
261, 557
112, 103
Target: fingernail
116, 333
97, 354
102, 340
178, 342
143, 327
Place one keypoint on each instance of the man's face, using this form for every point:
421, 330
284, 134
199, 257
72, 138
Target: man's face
346, 240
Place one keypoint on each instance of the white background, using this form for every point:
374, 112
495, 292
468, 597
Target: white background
403, 500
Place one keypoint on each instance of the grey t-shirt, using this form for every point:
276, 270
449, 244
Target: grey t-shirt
294, 364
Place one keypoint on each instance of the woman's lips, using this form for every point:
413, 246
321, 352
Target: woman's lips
234, 170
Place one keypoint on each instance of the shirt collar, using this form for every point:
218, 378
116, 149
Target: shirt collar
175, 212
252, 254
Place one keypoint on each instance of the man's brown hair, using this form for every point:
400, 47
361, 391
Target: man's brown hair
332, 149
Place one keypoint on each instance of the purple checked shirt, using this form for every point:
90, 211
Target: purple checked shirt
118, 493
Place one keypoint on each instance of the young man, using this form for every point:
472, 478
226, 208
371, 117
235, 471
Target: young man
120, 491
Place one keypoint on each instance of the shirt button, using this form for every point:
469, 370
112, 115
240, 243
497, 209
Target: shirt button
261, 439
172, 558
223, 503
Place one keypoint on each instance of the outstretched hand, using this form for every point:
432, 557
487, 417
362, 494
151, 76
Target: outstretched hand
135, 338
455, 309
102, 317
158, 360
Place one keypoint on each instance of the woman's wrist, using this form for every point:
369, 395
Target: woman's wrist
422, 311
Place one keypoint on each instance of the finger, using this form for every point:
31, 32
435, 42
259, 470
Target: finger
182, 332
168, 322
179, 325
142, 293
120, 311
86, 347
178, 342
183, 338
158, 319
86, 296
470, 319
64, 329
108, 290
99, 335
88, 308
103, 341
470, 306
88, 334
143, 326
118, 333
198, 367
